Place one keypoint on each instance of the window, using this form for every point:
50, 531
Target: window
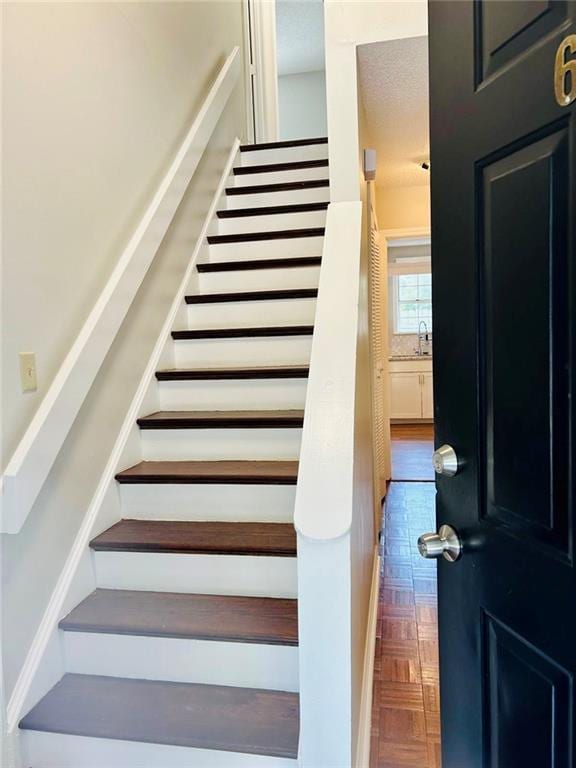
412, 302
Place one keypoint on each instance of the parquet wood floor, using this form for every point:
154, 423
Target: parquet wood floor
406, 701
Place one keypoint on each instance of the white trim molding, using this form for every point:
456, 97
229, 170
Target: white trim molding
365, 725
265, 69
32, 461
49, 623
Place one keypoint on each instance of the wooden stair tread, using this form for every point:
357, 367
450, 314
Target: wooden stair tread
272, 621
296, 165
198, 537
272, 210
279, 234
284, 186
287, 262
241, 333
207, 374
212, 472
268, 295
221, 419
284, 144
216, 717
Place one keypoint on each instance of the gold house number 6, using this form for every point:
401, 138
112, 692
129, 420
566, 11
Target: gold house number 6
565, 72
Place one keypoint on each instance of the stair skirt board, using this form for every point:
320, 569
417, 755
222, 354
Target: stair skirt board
278, 176
230, 225
214, 444
54, 750
249, 575
266, 249
258, 279
227, 395
184, 660
227, 503
264, 199
246, 314
284, 350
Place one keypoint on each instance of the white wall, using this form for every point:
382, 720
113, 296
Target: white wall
97, 98
302, 105
121, 83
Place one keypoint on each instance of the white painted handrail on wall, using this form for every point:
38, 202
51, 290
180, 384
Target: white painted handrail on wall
325, 497
32, 461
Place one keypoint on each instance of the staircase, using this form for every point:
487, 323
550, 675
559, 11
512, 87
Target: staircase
186, 654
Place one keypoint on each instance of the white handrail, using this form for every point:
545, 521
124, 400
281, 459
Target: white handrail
324, 494
32, 460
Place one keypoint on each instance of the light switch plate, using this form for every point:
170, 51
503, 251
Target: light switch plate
28, 371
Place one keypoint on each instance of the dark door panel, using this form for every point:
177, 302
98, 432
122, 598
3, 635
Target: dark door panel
504, 294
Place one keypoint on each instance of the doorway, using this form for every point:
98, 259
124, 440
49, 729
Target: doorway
394, 119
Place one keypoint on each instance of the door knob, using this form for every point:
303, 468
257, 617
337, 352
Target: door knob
445, 461
445, 543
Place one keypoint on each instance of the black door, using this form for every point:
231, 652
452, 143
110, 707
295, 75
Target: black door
503, 162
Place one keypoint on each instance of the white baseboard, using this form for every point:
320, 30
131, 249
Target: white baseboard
33, 458
365, 725
53, 613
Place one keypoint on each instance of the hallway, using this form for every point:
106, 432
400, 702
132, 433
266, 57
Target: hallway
406, 713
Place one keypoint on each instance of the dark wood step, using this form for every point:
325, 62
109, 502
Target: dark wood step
272, 210
288, 262
191, 537
234, 374
272, 621
245, 333
285, 186
268, 295
275, 167
222, 420
252, 237
284, 144
211, 472
181, 714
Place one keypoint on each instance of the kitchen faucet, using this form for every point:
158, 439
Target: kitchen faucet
420, 335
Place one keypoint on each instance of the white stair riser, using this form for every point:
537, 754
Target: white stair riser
284, 155
258, 279
249, 665
230, 395
216, 444
55, 750
248, 314
225, 503
280, 177
284, 350
284, 197
267, 249
200, 574
272, 222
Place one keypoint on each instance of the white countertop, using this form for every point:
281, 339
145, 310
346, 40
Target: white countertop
410, 357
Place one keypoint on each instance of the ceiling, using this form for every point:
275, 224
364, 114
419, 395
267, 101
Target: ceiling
393, 83
299, 36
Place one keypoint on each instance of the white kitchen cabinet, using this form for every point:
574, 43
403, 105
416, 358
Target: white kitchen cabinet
405, 396
427, 396
411, 392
